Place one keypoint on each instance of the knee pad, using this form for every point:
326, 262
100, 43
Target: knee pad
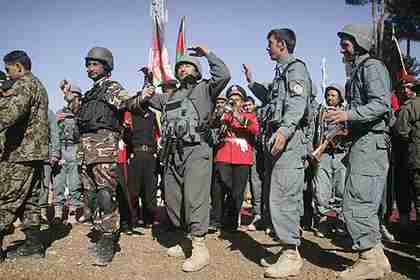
106, 201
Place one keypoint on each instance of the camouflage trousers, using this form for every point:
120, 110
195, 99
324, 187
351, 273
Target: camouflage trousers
99, 180
20, 184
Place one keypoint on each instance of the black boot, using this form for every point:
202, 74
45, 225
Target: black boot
105, 250
32, 245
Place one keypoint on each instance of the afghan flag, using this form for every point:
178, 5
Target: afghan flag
158, 56
180, 43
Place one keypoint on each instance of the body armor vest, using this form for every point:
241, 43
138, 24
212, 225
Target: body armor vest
96, 113
183, 119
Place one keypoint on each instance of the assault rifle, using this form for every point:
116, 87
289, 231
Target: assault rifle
328, 139
168, 144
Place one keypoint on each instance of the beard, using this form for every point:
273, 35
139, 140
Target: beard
189, 79
95, 76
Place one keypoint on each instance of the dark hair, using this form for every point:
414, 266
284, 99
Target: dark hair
18, 56
250, 98
284, 34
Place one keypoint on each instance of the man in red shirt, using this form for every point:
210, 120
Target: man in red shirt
234, 157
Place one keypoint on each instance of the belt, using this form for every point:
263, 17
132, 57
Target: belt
144, 148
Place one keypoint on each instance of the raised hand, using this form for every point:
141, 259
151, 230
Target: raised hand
247, 72
199, 51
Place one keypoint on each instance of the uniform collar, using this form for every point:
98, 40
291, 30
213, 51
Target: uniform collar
360, 58
101, 81
283, 61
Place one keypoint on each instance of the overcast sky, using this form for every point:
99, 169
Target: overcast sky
57, 35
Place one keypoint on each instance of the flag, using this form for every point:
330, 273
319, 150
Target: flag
398, 59
180, 43
158, 55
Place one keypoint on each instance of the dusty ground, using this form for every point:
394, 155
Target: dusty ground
232, 257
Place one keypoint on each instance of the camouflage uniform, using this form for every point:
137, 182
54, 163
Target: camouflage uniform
24, 119
99, 154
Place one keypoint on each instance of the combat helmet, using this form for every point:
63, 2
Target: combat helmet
188, 59
361, 33
103, 55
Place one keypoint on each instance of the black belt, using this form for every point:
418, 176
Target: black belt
144, 148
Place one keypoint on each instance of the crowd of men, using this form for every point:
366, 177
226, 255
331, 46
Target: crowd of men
107, 149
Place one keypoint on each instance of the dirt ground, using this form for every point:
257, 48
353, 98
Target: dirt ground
234, 256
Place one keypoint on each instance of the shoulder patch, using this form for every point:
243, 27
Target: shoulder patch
296, 87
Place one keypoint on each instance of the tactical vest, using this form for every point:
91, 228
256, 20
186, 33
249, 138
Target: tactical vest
274, 111
69, 132
183, 119
95, 112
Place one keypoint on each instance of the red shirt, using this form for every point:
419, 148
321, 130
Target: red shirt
238, 144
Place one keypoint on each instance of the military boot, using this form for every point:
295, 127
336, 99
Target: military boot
200, 256
181, 250
105, 250
372, 264
32, 245
289, 264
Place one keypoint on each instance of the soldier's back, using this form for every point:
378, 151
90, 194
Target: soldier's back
27, 139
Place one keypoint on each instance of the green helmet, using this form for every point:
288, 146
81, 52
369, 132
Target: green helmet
103, 55
361, 33
187, 59
338, 88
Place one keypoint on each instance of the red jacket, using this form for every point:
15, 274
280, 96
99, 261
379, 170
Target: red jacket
239, 139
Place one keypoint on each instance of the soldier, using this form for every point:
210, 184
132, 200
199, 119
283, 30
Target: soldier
187, 153
286, 103
100, 122
330, 171
68, 175
368, 102
24, 119
53, 157
407, 128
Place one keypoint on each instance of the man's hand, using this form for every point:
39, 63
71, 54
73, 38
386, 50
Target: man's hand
337, 117
248, 73
279, 143
199, 51
60, 116
148, 92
